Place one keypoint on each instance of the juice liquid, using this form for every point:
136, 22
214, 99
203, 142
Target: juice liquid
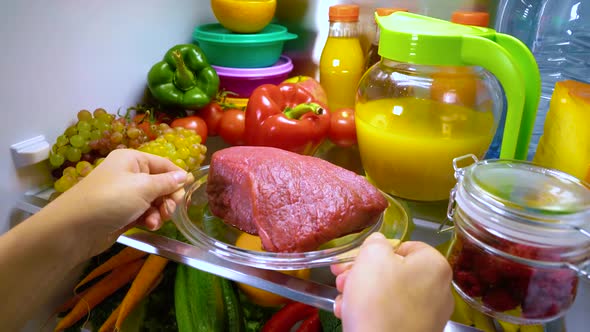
407, 145
341, 68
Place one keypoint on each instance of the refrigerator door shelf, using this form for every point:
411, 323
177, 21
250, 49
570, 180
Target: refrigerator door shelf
30, 151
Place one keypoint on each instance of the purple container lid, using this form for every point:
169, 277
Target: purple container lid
283, 66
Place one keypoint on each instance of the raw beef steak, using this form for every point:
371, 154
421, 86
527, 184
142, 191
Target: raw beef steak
293, 202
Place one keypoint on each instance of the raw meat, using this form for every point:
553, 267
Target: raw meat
293, 202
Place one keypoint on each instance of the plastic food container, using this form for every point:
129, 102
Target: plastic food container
244, 80
227, 49
521, 239
195, 222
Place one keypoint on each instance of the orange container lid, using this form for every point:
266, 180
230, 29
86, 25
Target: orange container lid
481, 19
389, 11
344, 13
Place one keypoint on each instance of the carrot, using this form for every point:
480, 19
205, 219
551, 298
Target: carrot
67, 305
147, 276
123, 257
99, 291
109, 324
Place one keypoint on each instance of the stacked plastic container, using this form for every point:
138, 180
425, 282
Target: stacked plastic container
245, 61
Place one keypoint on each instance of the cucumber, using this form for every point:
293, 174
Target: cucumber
206, 300
234, 314
181, 303
199, 300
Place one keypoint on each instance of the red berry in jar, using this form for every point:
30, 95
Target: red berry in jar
502, 285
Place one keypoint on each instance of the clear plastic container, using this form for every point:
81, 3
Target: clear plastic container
558, 33
195, 222
521, 239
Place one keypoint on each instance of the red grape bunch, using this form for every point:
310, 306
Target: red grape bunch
94, 136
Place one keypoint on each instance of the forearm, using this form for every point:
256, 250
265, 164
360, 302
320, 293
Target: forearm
35, 256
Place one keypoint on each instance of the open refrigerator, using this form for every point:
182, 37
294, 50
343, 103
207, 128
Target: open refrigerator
62, 56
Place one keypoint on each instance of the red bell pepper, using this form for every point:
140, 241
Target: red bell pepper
311, 324
286, 116
289, 315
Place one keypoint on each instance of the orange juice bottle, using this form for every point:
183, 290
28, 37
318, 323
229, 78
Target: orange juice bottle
342, 60
480, 19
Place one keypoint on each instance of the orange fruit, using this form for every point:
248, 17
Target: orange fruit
256, 295
244, 16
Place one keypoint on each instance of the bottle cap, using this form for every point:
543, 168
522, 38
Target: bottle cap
481, 19
344, 13
387, 11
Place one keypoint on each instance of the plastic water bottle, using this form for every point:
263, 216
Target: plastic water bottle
558, 33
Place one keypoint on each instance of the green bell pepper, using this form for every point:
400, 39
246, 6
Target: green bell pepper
183, 78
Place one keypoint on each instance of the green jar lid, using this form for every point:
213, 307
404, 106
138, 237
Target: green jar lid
215, 32
413, 38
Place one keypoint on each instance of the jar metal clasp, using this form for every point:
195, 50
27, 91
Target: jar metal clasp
459, 173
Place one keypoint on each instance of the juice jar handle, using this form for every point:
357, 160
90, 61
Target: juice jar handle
525, 59
479, 51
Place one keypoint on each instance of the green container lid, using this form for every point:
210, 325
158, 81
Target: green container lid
215, 32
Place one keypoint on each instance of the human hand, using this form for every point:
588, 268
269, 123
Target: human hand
128, 188
406, 289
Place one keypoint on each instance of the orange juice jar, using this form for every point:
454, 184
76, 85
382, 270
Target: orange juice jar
342, 60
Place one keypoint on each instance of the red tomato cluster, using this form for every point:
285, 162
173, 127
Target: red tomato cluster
228, 123
192, 122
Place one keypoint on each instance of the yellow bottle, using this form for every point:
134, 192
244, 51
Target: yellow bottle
342, 60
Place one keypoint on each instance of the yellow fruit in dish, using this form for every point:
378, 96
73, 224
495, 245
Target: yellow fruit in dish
256, 295
244, 16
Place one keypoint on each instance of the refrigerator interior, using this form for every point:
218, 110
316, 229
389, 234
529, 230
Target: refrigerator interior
62, 56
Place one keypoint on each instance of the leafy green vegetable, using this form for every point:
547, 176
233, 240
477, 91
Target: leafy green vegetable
255, 316
160, 314
330, 323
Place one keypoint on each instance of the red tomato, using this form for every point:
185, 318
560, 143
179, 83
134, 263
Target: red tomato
212, 114
232, 127
193, 122
342, 128
144, 123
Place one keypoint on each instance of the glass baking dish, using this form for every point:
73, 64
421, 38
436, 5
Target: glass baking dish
202, 229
